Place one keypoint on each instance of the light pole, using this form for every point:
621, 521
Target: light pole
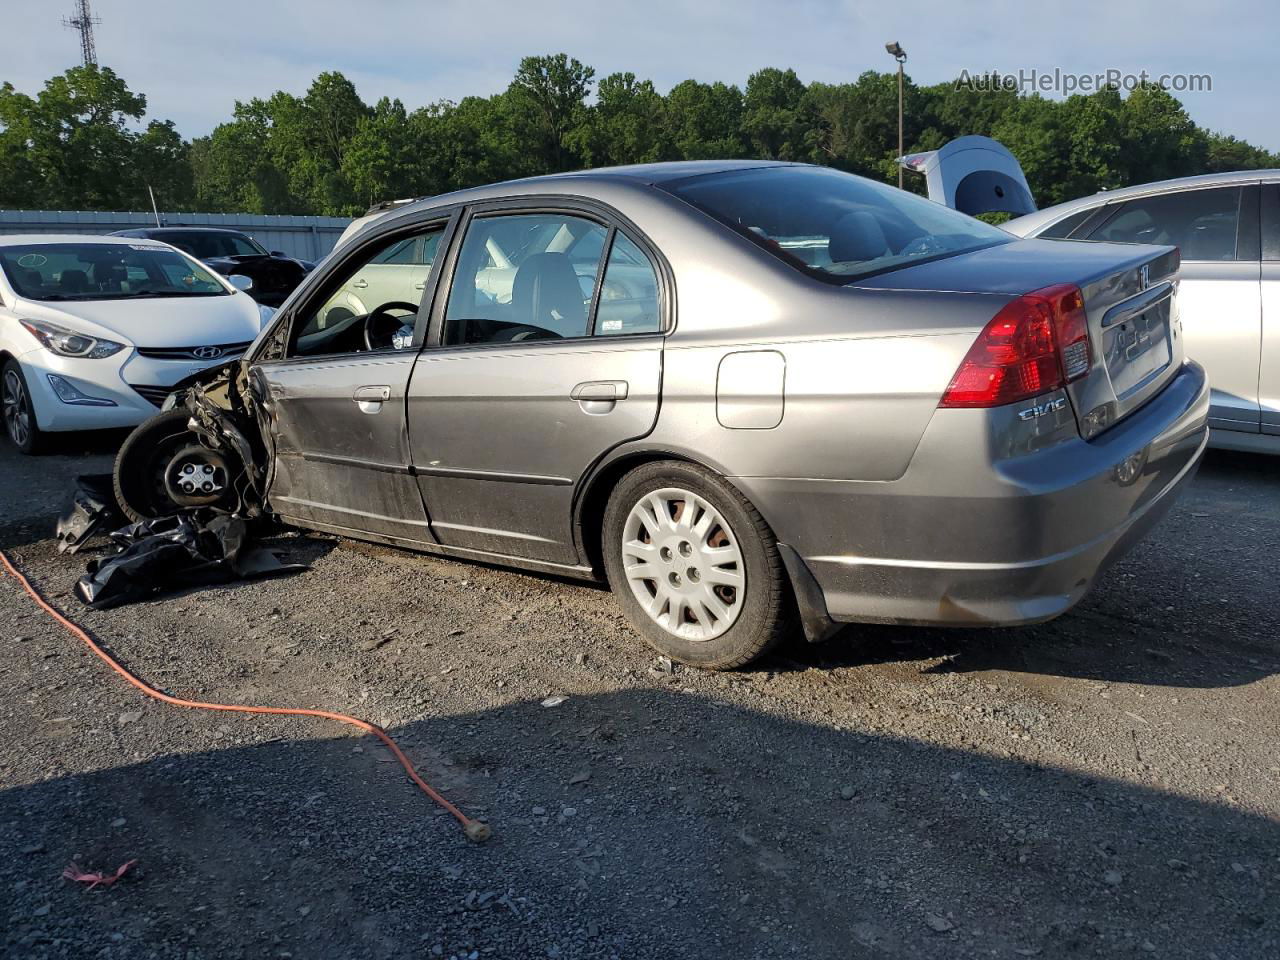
896, 51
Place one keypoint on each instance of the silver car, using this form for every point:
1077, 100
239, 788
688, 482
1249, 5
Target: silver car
1227, 227
748, 394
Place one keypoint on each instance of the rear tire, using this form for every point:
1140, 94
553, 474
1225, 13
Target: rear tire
143, 474
19, 411
702, 584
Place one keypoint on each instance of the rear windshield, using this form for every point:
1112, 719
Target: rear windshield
833, 225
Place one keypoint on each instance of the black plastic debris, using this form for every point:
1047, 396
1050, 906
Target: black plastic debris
93, 509
176, 553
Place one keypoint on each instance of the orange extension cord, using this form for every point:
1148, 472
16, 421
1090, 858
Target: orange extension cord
474, 829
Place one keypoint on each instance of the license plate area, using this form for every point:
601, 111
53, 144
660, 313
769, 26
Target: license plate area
1138, 348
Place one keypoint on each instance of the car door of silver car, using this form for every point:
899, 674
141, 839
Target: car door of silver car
1219, 296
1269, 369
547, 353
334, 396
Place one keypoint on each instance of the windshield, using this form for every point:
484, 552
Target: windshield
215, 243
833, 225
100, 271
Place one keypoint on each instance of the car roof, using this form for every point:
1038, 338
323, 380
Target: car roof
144, 231
12, 239
1049, 215
583, 180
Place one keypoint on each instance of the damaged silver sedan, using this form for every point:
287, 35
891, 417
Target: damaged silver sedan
750, 395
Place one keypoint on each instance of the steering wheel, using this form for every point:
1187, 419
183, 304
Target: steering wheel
380, 317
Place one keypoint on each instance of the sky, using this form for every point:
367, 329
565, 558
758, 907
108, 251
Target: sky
194, 60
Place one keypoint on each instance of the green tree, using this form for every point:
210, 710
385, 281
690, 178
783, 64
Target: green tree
626, 124
72, 146
547, 100
773, 118
703, 121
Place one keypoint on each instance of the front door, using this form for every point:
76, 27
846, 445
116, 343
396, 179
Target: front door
334, 399
547, 355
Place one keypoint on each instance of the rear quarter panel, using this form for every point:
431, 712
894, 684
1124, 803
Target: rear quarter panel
862, 369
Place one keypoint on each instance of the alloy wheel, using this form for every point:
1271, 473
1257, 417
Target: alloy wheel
683, 564
17, 419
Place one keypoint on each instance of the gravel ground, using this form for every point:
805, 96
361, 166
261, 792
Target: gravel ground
1103, 784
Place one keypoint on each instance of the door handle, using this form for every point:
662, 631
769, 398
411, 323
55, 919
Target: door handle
370, 398
600, 390
360, 284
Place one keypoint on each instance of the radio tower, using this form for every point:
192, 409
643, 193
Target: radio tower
83, 21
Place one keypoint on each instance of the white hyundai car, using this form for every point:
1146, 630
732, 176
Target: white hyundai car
95, 331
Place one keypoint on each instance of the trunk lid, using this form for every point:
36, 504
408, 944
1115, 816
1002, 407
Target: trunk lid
1130, 298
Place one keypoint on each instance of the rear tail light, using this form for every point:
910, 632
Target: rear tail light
1035, 344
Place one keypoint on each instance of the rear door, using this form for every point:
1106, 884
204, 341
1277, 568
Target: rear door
1219, 296
1269, 368
333, 397
546, 354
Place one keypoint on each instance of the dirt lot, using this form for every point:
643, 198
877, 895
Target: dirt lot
1104, 784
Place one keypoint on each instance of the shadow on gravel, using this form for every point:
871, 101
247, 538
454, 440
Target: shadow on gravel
641, 824
1087, 643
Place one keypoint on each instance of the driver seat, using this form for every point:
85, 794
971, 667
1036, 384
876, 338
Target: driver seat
546, 294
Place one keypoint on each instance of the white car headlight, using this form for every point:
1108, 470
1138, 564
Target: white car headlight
68, 343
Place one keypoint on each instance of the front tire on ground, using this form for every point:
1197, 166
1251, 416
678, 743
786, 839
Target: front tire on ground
694, 566
19, 412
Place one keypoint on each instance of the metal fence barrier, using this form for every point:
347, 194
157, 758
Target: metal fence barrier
307, 238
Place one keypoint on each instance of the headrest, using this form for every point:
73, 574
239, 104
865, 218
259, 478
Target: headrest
857, 236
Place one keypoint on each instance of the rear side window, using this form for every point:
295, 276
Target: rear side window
1067, 225
629, 293
833, 225
1271, 221
1201, 223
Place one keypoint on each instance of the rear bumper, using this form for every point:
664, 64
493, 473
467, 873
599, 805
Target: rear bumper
967, 536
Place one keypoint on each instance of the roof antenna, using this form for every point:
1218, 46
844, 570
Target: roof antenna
154, 209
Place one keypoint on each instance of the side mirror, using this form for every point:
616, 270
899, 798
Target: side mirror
241, 282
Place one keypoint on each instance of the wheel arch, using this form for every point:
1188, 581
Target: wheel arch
589, 522
590, 504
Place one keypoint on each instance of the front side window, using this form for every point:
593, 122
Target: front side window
1201, 223
833, 225
524, 277
101, 271
374, 305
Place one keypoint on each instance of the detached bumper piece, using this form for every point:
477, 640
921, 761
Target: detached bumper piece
93, 509
176, 553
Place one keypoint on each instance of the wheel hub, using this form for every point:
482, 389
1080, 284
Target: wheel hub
195, 476
683, 564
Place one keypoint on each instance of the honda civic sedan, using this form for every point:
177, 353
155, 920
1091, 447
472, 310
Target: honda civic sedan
95, 331
749, 395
